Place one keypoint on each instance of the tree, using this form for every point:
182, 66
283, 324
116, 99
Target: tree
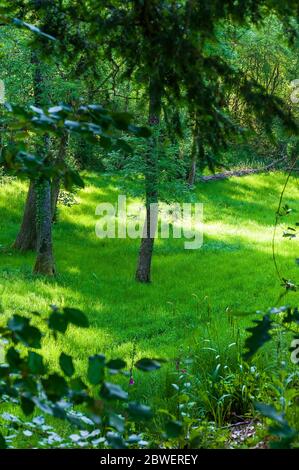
171, 49
26, 238
151, 181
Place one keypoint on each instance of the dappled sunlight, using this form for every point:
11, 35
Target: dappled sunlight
97, 275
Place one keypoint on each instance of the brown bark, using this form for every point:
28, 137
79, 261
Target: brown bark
55, 187
194, 155
143, 272
45, 261
192, 172
26, 238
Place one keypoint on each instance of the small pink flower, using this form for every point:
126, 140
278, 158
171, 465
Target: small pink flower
132, 381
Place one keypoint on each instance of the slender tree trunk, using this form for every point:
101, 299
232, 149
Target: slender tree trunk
55, 189
45, 261
26, 238
194, 156
192, 172
143, 272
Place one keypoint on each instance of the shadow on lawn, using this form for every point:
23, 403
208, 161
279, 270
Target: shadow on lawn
98, 275
237, 198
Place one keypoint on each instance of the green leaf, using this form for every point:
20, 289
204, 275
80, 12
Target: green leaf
55, 387
76, 179
27, 405
4, 371
77, 385
123, 145
259, 336
17, 323
111, 391
78, 392
23, 332
115, 440
281, 427
122, 120
117, 422
116, 364
270, 412
3, 444
76, 317
66, 364
35, 363
140, 131
173, 429
139, 411
96, 366
147, 365
31, 337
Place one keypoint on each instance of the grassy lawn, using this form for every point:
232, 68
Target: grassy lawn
186, 306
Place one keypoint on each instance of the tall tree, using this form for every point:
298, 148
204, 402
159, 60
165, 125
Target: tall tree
169, 46
26, 238
151, 184
56, 182
45, 261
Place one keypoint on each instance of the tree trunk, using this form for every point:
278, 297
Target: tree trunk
194, 156
192, 172
26, 238
45, 261
55, 187
143, 272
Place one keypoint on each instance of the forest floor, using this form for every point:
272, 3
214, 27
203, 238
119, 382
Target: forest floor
185, 311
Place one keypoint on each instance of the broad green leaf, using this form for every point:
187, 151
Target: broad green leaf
270, 412
3, 444
13, 358
116, 364
27, 406
111, 391
259, 336
35, 363
117, 422
147, 365
17, 323
96, 371
66, 364
115, 440
55, 387
173, 429
139, 411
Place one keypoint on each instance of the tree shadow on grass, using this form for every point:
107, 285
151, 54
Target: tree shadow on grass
98, 276
243, 199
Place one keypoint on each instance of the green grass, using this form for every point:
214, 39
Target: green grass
232, 271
